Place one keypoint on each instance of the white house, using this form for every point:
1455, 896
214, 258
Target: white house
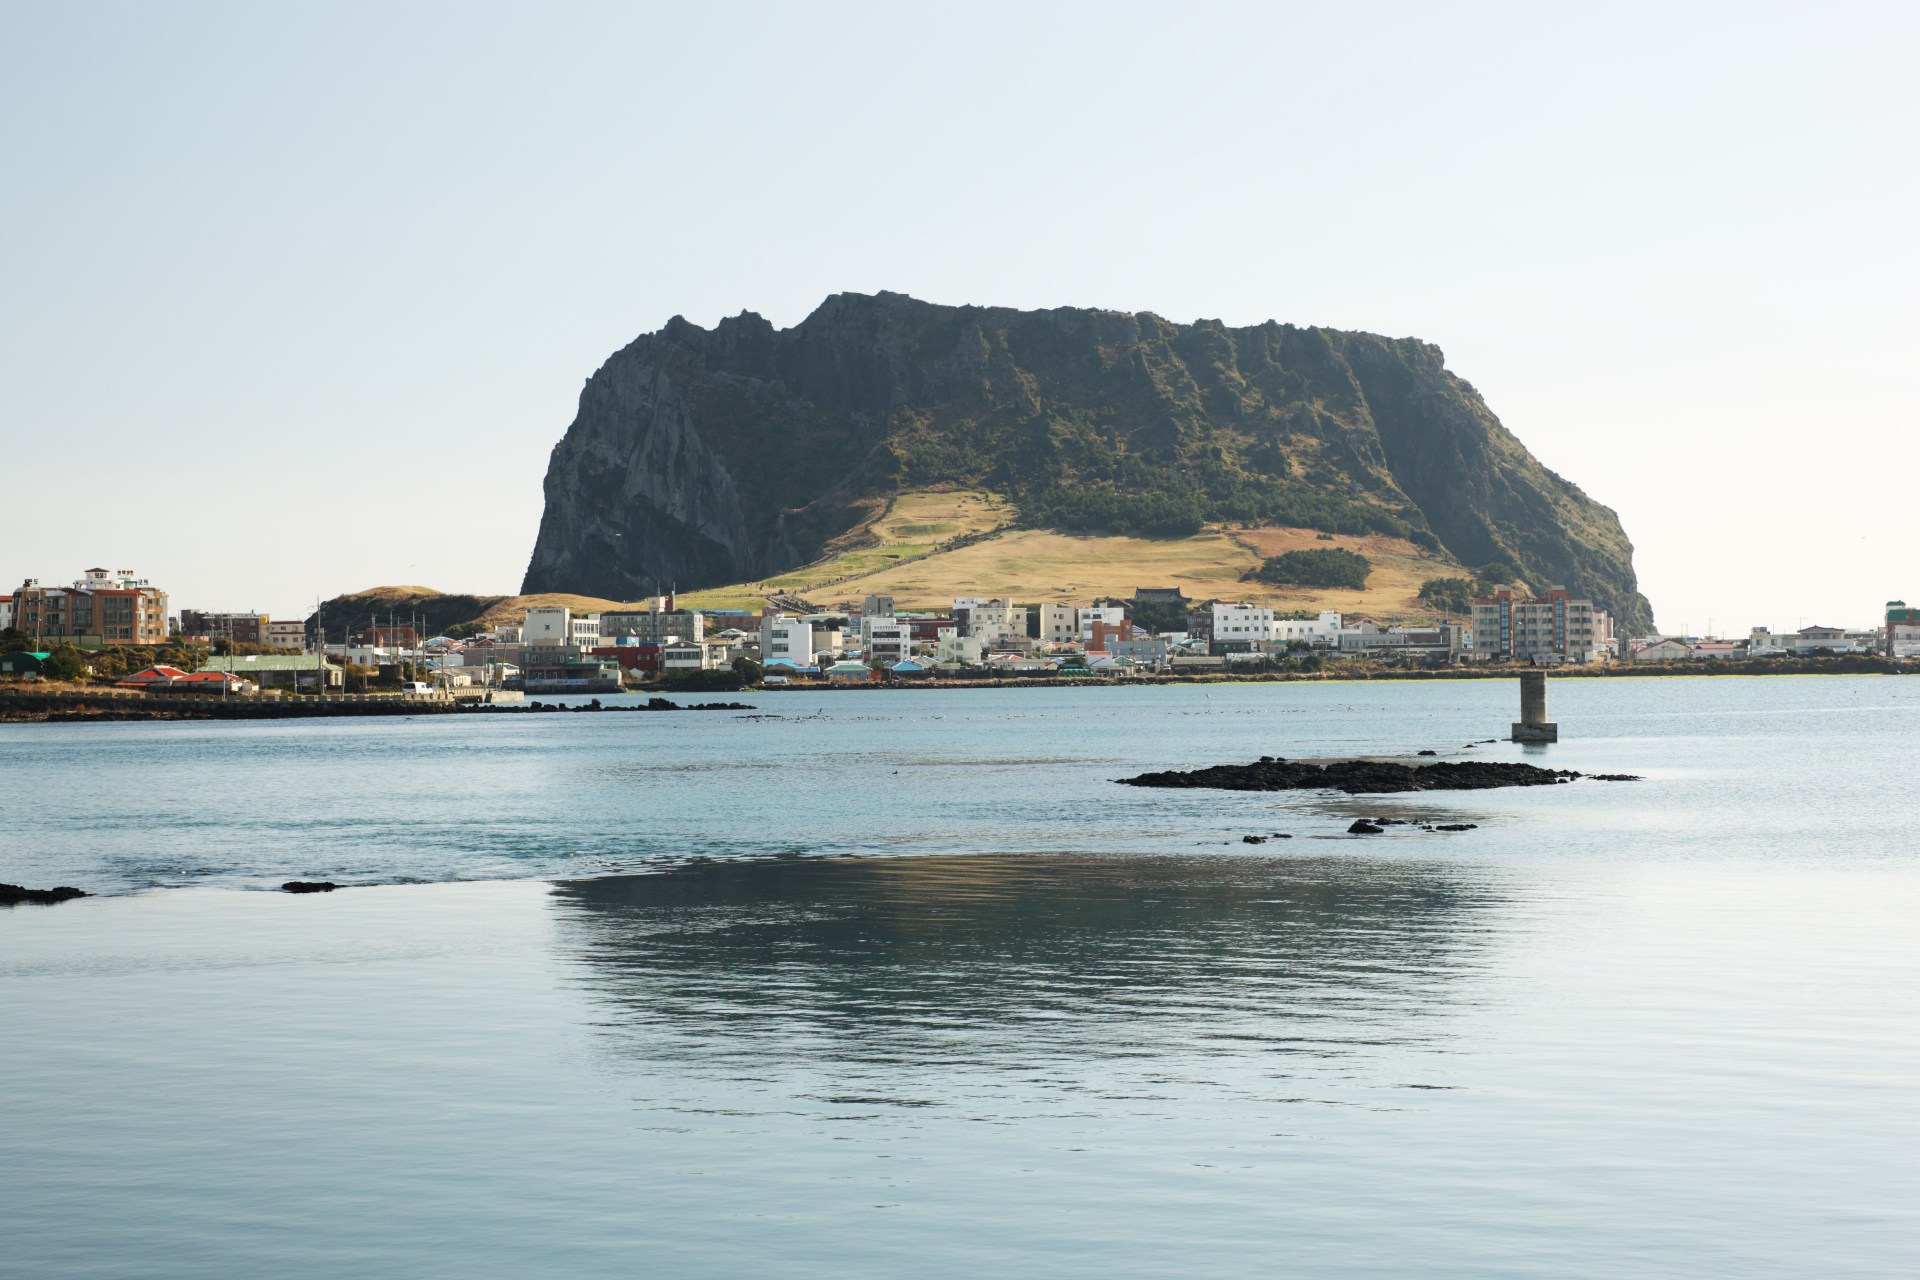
1322, 632
686, 655
1664, 649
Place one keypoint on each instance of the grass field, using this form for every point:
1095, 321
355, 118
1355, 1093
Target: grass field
912, 525
1033, 566
897, 554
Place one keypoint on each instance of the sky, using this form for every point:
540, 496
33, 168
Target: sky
296, 299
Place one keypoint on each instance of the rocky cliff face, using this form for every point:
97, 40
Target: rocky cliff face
703, 457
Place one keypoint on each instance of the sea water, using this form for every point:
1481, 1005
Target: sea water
902, 982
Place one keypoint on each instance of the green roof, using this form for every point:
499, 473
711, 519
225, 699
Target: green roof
243, 663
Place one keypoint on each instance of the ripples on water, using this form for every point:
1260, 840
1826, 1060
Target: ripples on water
1002, 963
1665, 1029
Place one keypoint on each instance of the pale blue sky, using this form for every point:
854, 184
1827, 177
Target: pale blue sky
296, 299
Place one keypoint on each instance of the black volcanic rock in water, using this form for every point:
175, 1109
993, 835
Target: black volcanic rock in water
13, 895
1355, 777
702, 457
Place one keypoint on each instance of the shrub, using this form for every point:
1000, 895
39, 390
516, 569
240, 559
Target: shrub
64, 663
1450, 595
1321, 567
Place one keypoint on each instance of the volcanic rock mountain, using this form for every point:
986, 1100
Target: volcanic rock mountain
701, 457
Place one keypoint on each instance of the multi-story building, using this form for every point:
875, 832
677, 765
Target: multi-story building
993, 622
238, 628
686, 655
1059, 624
786, 638
1110, 614
1102, 634
1200, 621
6, 612
101, 608
654, 626
1903, 630
955, 647
557, 626
287, 635
1236, 626
886, 638
1322, 632
1555, 627
1442, 640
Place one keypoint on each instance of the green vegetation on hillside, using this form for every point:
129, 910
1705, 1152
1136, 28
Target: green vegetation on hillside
1322, 567
1451, 595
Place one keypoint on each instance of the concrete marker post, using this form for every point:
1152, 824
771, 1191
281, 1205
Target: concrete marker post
1533, 725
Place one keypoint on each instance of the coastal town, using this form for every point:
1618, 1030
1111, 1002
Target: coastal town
69, 632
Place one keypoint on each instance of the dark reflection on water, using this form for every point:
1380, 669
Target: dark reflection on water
1018, 961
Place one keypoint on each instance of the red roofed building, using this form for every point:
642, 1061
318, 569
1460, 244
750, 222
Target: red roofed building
152, 677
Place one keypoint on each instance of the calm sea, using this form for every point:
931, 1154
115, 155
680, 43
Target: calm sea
902, 984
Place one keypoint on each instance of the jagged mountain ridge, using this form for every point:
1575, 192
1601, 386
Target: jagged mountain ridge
703, 457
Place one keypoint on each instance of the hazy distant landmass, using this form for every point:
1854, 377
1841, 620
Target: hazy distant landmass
705, 457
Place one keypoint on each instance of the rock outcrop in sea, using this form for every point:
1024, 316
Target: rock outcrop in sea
1363, 777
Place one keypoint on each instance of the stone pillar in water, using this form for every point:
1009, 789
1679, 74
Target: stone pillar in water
1533, 725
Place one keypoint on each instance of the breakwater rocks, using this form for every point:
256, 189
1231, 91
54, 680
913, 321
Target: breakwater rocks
81, 708
1362, 777
108, 706
651, 704
12, 895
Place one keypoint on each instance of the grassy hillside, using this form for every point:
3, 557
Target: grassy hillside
1035, 565
909, 526
925, 548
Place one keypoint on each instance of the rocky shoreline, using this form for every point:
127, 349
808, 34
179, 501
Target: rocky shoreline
1364, 777
13, 895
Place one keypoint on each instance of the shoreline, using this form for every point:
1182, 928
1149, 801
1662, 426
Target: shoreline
80, 706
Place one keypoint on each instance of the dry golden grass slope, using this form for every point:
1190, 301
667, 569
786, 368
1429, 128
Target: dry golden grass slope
1034, 566
898, 554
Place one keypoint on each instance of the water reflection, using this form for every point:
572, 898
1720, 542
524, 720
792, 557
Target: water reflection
1024, 962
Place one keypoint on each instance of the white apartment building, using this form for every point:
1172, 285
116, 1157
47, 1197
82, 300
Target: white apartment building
557, 626
1059, 624
287, 635
1235, 622
993, 621
886, 639
951, 646
785, 637
1111, 614
1322, 632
